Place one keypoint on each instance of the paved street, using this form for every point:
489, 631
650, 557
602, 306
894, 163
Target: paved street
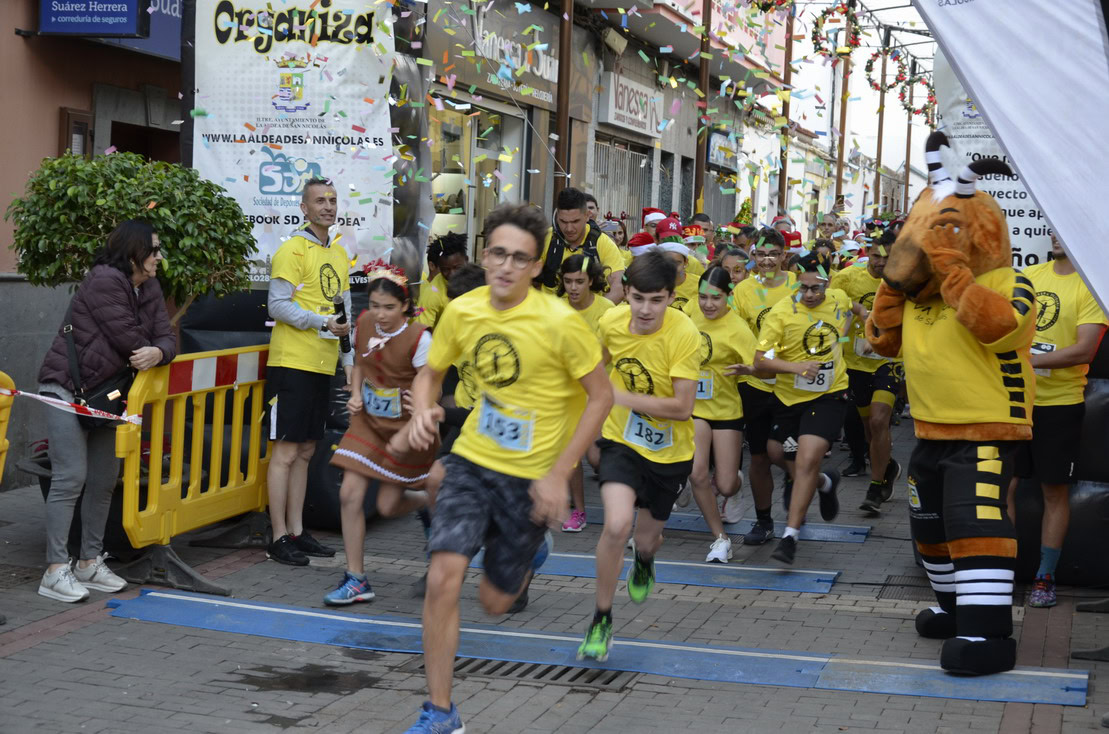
70, 668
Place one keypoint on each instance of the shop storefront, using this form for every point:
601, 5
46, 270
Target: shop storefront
491, 116
629, 114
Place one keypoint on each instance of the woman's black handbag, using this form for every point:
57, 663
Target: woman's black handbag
109, 396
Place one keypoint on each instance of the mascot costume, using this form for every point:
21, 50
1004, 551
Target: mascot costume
962, 318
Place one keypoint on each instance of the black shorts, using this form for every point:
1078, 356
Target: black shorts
298, 403
734, 424
656, 485
957, 489
478, 506
887, 378
822, 417
1056, 439
758, 414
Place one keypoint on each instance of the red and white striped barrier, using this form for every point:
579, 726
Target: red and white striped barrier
73, 407
208, 373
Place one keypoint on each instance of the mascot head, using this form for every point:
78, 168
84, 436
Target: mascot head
982, 234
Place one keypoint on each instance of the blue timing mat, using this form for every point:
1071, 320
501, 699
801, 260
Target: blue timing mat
724, 576
694, 522
677, 660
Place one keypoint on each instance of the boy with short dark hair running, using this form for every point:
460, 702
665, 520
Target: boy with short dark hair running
543, 396
647, 440
800, 341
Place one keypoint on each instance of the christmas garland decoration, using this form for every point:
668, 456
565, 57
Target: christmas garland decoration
902, 71
929, 103
854, 31
769, 6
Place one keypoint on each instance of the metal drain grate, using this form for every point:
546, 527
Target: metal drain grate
916, 588
559, 675
13, 576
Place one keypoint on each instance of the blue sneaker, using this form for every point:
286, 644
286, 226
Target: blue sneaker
352, 589
545, 550
434, 721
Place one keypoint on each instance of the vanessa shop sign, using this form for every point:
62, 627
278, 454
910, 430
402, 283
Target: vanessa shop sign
630, 105
293, 91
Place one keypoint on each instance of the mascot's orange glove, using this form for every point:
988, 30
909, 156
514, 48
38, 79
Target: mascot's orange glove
984, 312
941, 245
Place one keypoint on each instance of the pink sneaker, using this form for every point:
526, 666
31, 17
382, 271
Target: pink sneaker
576, 523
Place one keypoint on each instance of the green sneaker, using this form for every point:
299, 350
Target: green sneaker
598, 641
641, 580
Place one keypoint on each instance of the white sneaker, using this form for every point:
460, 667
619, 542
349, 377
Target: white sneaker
62, 585
720, 551
98, 576
685, 495
730, 511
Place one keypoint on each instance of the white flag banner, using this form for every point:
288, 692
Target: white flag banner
290, 91
1039, 74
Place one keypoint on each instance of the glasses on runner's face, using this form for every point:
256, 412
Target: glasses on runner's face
520, 260
814, 289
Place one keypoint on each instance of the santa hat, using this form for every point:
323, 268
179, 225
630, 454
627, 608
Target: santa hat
668, 227
651, 214
672, 246
640, 242
782, 218
793, 242
693, 234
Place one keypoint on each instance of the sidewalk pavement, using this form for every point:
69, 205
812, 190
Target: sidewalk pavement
72, 668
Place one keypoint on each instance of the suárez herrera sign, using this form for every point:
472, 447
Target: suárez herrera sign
96, 18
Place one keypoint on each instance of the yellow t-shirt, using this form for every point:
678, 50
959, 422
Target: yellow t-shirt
725, 341
594, 311
1063, 303
686, 291
627, 255
465, 392
526, 363
648, 364
860, 286
433, 299
606, 250
318, 274
798, 333
694, 268
955, 379
752, 301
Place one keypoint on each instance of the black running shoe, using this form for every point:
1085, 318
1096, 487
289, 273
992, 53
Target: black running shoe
309, 546
893, 473
759, 534
829, 502
520, 604
284, 550
873, 498
856, 468
786, 550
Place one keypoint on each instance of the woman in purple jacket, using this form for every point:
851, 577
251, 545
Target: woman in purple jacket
119, 318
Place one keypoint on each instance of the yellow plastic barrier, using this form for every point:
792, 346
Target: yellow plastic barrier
183, 386
5, 416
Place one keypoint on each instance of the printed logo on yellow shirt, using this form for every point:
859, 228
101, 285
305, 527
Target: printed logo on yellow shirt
635, 375
706, 348
329, 281
679, 302
760, 317
466, 379
496, 360
819, 339
1047, 312
868, 300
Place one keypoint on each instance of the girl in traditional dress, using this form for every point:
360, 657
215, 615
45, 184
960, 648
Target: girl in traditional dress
389, 350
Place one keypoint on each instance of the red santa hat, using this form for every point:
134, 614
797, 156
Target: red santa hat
651, 215
640, 242
793, 242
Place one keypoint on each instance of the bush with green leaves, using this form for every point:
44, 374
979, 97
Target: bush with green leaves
72, 203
